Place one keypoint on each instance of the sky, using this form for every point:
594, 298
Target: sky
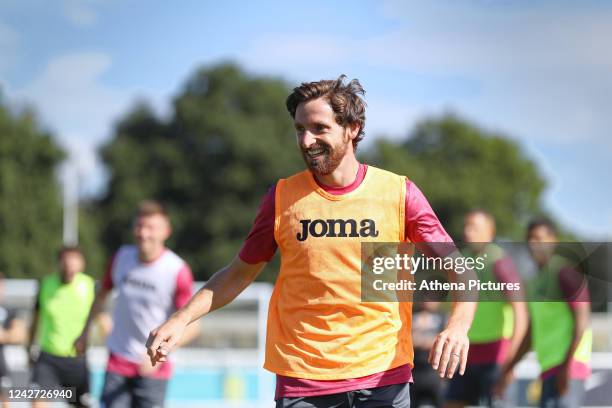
540, 72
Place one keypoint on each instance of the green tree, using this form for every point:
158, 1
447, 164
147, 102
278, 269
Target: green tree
30, 206
460, 166
228, 139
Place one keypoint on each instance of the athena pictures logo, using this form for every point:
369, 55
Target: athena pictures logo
480, 271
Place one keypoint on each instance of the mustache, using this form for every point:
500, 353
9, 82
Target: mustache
316, 146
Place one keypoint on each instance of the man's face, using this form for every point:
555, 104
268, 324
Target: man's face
478, 227
541, 244
322, 142
151, 232
71, 263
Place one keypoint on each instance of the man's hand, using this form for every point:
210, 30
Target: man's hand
146, 368
165, 337
80, 344
449, 351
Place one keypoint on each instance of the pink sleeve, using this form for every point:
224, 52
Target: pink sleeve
422, 225
184, 285
260, 244
574, 287
505, 271
107, 280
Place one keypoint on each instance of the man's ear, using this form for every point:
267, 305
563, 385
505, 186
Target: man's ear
352, 130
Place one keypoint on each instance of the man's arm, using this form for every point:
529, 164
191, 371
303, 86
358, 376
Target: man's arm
223, 287
506, 376
33, 327
182, 295
523, 349
15, 333
425, 230
576, 294
80, 344
505, 272
520, 343
521, 325
582, 313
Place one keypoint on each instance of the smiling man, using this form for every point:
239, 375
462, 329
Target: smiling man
327, 347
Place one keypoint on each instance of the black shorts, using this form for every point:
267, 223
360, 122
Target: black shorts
6, 381
52, 371
390, 396
5, 376
135, 392
474, 387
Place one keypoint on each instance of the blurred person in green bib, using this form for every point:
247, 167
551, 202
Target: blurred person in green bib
559, 330
499, 324
61, 310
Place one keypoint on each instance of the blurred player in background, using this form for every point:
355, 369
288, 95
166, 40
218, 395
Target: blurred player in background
151, 282
559, 332
427, 322
327, 347
498, 327
12, 331
62, 304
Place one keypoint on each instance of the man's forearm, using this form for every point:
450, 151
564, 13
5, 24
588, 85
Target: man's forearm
519, 331
523, 348
17, 333
192, 331
581, 323
33, 329
462, 314
223, 287
96, 308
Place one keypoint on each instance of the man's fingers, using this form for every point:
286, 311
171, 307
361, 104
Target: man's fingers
464, 357
164, 348
445, 357
153, 343
454, 360
160, 354
436, 351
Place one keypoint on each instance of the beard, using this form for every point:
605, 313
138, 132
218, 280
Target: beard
325, 162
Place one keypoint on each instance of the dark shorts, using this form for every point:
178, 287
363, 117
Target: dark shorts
474, 387
571, 399
135, 392
390, 396
5, 377
427, 387
52, 371
6, 382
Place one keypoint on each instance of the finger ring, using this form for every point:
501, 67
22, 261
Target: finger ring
456, 355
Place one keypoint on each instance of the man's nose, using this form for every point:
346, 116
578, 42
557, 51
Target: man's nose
307, 139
